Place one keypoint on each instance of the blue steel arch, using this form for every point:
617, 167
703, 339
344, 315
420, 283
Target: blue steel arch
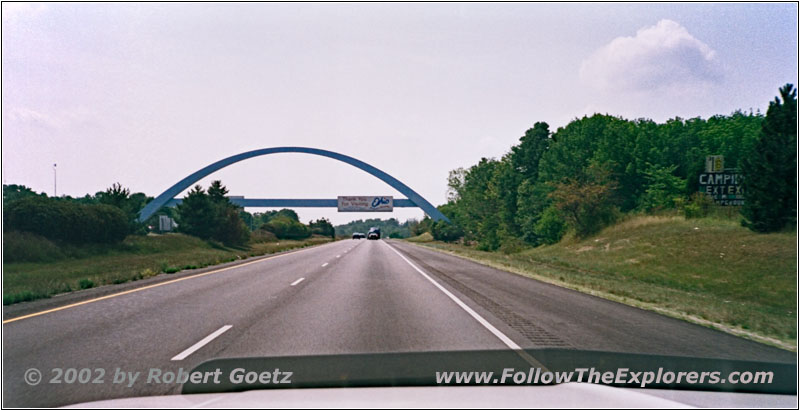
176, 189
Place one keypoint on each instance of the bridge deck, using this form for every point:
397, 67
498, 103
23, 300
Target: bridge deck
288, 202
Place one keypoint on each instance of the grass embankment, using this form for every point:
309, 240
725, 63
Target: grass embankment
709, 271
422, 238
138, 257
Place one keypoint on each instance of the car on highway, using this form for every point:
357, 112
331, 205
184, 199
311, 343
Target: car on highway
374, 233
358, 236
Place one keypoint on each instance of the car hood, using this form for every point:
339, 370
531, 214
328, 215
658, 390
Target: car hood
411, 379
569, 395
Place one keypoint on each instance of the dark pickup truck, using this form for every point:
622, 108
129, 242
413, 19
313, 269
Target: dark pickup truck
374, 233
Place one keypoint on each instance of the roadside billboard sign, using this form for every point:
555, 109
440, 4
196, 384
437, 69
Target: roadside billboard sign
724, 187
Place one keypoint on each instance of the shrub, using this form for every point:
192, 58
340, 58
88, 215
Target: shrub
422, 227
550, 227
286, 228
699, 206
586, 204
85, 283
67, 221
422, 238
231, 229
322, 227
447, 232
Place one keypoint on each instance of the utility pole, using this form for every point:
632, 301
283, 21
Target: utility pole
55, 180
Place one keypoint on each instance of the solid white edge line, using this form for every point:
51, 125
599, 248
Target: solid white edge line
324, 264
298, 281
486, 324
187, 352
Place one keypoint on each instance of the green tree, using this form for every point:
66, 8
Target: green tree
260, 219
529, 197
455, 183
447, 232
503, 188
550, 227
322, 227
422, 227
197, 215
130, 204
231, 229
770, 170
212, 216
525, 156
13, 192
532, 201
389, 228
586, 203
480, 218
662, 188
286, 228
217, 192
115, 195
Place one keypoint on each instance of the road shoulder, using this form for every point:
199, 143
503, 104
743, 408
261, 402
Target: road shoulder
618, 299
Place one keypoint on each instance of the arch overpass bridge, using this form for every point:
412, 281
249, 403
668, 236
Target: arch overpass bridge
167, 198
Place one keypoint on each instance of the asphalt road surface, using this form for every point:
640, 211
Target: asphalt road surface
352, 296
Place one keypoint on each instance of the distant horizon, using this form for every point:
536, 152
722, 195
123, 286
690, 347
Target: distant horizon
254, 210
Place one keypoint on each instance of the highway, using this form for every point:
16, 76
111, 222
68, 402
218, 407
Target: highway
351, 296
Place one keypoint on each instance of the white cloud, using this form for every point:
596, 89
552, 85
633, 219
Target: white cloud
61, 120
664, 57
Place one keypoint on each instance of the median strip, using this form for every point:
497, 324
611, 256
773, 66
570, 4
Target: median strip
187, 352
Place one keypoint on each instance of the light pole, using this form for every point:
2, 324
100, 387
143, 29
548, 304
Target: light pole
55, 191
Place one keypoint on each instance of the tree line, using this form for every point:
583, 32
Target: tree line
585, 175
209, 214
109, 216
578, 179
391, 227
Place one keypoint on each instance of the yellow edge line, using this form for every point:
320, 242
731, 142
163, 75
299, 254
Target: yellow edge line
105, 297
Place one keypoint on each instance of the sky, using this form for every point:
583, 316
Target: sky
145, 94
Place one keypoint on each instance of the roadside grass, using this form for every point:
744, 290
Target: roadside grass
422, 238
709, 271
138, 257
